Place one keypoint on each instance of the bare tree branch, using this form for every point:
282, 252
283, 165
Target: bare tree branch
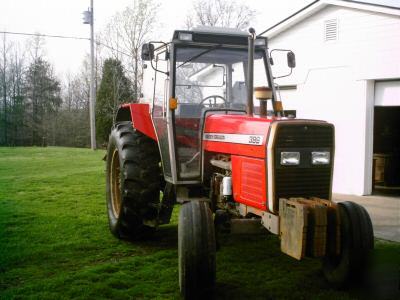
128, 31
221, 13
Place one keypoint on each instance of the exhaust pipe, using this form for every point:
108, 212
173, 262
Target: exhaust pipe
250, 72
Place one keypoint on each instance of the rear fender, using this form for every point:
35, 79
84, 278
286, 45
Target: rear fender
123, 114
140, 116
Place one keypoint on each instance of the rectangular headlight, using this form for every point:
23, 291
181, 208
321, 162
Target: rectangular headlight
290, 158
184, 36
320, 158
259, 42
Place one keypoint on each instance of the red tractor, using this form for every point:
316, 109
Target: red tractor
205, 138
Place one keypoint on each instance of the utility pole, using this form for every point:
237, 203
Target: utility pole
88, 18
5, 89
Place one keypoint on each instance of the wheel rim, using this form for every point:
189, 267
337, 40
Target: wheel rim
115, 183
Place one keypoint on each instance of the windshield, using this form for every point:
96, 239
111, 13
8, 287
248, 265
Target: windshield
214, 77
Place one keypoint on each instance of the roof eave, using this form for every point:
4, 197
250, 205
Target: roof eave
294, 19
319, 5
365, 6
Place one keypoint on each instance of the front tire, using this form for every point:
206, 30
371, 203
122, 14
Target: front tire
196, 249
357, 243
133, 182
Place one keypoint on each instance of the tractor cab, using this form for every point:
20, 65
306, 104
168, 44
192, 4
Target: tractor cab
199, 72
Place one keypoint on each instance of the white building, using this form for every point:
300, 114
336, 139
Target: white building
348, 73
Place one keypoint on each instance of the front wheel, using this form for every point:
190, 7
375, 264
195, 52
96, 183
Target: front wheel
357, 243
196, 249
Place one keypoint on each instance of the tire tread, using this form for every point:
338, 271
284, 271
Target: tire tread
140, 181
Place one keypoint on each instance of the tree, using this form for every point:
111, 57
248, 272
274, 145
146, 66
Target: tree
42, 92
11, 104
74, 112
16, 97
114, 89
221, 13
34, 107
4, 69
127, 32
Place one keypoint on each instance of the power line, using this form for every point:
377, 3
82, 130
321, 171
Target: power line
111, 48
64, 37
45, 35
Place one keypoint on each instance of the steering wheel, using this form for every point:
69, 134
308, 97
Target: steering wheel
211, 102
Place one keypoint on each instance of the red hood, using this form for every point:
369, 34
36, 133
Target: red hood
236, 134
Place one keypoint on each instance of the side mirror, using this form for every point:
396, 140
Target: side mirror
291, 59
147, 51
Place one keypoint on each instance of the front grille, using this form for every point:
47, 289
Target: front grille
305, 180
306, 135
310, 182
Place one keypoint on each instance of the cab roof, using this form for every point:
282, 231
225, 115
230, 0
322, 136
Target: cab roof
212, 35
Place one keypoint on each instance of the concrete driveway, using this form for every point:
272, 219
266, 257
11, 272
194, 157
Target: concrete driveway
384, 212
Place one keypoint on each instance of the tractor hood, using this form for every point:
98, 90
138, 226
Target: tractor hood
236, 134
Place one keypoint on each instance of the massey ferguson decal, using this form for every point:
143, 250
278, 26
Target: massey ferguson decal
247, 139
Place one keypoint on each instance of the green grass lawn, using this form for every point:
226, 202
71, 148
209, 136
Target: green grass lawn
55, 242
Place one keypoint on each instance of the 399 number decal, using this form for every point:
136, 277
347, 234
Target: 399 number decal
245, 139
255, 140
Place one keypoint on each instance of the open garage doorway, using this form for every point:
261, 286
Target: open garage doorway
386, 158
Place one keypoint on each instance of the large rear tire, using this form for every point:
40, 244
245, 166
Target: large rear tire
196, 248
133, 182
357, 243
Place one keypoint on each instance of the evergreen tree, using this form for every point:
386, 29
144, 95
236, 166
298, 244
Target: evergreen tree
42, 93
114, 89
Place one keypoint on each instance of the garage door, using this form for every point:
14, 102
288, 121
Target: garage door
387, 93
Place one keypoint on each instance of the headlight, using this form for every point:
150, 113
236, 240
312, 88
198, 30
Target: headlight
259, 42
320, 158
290, 158
184, 36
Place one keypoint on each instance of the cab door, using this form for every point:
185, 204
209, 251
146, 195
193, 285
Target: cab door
161, 113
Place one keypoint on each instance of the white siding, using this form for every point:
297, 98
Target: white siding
387, 93
333, 80
289, 99
367, 42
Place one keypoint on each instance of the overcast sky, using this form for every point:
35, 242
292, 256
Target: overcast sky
64, 17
